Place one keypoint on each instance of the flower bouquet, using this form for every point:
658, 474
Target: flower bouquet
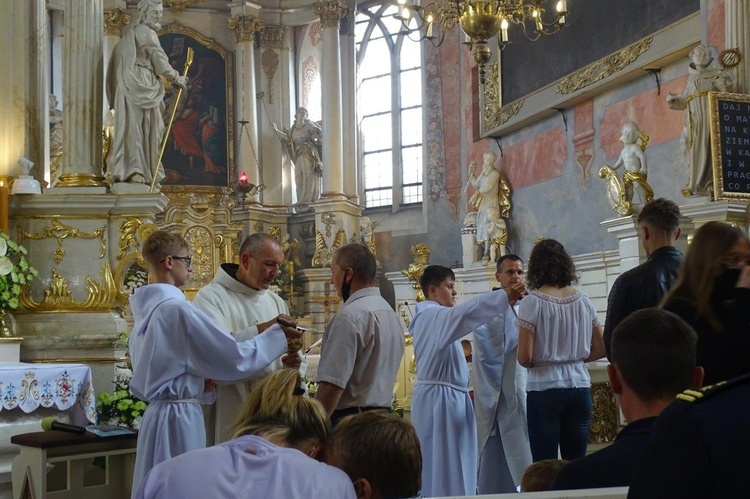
15, 272
120, 408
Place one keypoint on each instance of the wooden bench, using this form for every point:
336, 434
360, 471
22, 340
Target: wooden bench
91, 466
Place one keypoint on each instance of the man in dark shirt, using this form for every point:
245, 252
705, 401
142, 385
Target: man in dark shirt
653, 359
645, 285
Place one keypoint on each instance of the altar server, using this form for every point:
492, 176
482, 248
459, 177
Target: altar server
176, 352
442, 412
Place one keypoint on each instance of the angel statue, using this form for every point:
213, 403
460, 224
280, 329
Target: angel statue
492, 204
303, 146
635, 173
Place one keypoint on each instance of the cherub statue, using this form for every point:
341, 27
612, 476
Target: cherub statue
632, 157
367, 232
492, 203
702, 78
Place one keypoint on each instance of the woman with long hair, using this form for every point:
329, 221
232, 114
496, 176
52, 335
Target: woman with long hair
278, 435
558, 333
712, 294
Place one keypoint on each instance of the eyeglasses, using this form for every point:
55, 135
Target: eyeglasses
185, 259
735, 261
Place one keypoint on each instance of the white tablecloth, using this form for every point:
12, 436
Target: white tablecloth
67, 387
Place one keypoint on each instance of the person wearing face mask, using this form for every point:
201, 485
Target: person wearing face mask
712, 294
363, 344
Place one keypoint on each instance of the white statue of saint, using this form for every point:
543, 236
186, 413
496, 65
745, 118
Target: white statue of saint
695, 138
492, 202
137, 96
303, 145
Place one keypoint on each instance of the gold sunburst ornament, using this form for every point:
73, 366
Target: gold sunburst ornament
730, 58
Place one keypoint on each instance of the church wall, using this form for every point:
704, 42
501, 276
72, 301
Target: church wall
556, 189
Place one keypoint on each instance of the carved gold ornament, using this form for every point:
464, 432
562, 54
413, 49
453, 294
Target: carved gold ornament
244, 27
59, 298
59, 231
414, 271
114, 21
603, 67
178, 5
329, 220
132, 234
329, 13
730, 58
323, 254
604, 419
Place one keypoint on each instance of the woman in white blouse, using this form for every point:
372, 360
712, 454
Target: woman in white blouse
558, 333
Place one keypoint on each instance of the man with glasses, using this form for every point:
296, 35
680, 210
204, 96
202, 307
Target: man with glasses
645, 285
239, 301
177, 350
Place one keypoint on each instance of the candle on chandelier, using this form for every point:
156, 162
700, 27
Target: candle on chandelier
243, 178
504, 30
429, 26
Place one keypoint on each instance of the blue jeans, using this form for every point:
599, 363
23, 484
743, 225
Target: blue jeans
559, 416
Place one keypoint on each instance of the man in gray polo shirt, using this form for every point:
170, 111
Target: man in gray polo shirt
363, 344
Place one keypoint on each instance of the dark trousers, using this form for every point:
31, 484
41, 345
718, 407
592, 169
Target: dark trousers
559, 416
340, 414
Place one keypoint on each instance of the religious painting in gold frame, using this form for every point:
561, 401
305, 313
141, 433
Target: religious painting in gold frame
199, 155
730, 144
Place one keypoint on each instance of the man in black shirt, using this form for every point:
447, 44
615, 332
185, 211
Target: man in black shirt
645, 285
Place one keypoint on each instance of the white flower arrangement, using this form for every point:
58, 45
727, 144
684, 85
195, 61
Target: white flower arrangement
15, 272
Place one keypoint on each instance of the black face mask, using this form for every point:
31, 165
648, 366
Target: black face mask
725, 283
346, 289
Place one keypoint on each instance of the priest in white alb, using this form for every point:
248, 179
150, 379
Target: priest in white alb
238, 300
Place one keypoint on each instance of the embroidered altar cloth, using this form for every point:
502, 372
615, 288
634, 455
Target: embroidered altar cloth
68, 387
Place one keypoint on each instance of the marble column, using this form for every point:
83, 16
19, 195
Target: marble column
115, 19
349, 103
246, 129
275, 85
82, 95
38, 98
333, 181
737, 34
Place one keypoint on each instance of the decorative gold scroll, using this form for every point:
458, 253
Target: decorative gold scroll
60, 231
100, 296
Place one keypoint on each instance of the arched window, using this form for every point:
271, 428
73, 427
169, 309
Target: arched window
389, 107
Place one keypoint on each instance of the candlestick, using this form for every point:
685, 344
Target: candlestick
4, 207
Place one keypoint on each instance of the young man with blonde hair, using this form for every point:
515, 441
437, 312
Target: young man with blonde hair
176, 352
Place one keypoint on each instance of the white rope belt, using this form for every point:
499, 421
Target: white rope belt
179, 401
443, 383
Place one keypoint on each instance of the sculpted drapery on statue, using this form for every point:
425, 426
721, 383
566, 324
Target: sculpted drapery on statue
491, 200
303, 144
136, 93
696, 134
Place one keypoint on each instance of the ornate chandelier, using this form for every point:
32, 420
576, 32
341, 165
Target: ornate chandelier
481, 20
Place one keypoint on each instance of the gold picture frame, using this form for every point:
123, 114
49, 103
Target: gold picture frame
730, 144
200, 155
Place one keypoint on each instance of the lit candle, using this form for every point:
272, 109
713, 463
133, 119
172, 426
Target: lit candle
243, 178
429, 26
562, 6
3, 207
504, 30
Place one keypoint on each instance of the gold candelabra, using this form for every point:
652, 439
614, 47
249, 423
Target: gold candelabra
481, 20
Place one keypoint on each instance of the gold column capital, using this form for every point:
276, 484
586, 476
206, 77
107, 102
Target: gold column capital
330, 13
114, 20
272, 36
244, 27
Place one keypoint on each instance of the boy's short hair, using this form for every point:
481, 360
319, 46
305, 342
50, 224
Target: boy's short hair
655, 352
160, 245
434, 275
381, 448
540, 475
